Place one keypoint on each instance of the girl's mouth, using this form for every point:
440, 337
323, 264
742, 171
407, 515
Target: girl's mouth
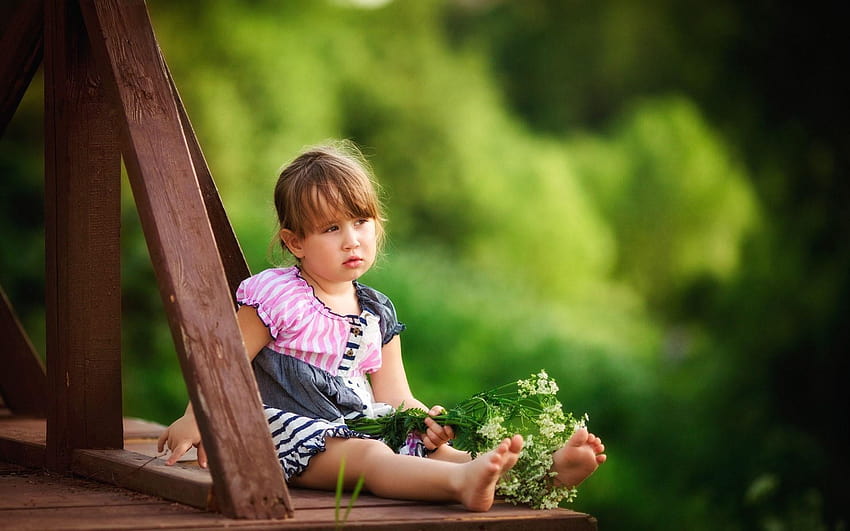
352, 262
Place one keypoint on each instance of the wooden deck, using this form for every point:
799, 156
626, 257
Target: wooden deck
33, 499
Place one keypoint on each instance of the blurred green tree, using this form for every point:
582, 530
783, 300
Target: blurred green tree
643, 199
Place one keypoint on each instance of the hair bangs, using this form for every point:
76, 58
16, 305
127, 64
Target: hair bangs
331, 201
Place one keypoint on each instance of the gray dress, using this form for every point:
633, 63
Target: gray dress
305, 404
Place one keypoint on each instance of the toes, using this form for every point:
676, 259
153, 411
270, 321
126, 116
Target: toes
499, 452
579, 437
516, 443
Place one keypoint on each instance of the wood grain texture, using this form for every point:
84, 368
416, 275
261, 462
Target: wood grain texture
44, 491
30, 500
248, 480
23, 383
190, 485
82, 233
22, 453
24, 429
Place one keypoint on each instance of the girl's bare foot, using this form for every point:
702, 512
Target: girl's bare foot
477, 482
578, 459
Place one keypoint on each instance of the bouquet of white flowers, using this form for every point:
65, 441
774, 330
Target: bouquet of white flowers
528, 407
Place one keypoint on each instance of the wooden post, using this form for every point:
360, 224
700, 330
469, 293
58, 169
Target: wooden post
82, 234
247, 478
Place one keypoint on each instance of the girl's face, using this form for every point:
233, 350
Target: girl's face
341, 249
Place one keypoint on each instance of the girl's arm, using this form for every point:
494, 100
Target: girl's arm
183, 433
390, 385
255, 333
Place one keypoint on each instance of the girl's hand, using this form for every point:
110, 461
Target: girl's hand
436, 435
182, 435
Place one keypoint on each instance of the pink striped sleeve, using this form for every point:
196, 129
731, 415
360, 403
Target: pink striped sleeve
300, 324
267, 292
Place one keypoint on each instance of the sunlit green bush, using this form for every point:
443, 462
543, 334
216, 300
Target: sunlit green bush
598, 253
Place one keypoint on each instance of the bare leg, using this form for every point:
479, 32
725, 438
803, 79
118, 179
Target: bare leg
404, 477
579, 458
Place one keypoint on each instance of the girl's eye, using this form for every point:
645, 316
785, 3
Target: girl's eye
331, 228
361, 221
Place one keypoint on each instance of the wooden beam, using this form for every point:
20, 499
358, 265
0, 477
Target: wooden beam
190, 485
20, 55
82, 234
247, 477
22, 441
23, 384
235, 266
28, 454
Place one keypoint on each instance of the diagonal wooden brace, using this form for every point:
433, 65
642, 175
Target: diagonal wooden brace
248, 481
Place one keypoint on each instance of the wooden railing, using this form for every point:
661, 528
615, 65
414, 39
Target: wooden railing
108, 94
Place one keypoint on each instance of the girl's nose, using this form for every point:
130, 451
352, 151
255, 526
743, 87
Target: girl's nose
351, 240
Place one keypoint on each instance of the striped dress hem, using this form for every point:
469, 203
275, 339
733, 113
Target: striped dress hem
309, 432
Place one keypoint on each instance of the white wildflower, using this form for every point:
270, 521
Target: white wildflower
545, 386
526, 387
493, 430
549, 428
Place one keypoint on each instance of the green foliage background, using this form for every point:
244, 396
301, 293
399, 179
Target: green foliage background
643, 198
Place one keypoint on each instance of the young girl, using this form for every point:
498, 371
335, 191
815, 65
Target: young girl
313, 334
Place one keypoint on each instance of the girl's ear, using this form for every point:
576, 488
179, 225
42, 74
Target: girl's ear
292, 242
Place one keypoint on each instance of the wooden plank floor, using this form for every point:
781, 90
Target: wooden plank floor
33, 499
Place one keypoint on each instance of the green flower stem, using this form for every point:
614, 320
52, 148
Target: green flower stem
528, 407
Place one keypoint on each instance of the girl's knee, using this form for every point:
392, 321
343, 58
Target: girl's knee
323, 469
360, 449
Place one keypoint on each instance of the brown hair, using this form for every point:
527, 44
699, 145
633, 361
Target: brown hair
322, 181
